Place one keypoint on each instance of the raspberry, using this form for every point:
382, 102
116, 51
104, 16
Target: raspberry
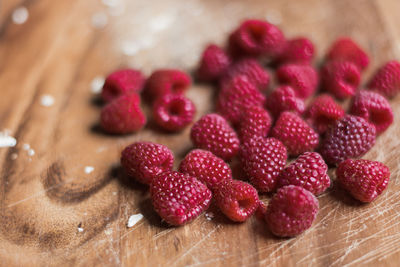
167, 81
236, 97
123, 115
299, 50
120, 82
173, 112
212, 132
206, 167
364, 179
386, 80
308, 171
291, 211
237, 200
345, 49
284, 99
374, 108
145, 160
295, 134
302, 78
340, 78
262, 160
349, 137
214, 63
323, 112
255, 122
179, 198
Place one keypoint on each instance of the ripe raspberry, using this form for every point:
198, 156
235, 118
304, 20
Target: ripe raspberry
167, 81
299, 51
145, 160
308, 171
340, 78
386, 79
295, 134
284, 99
302, 78
206, 167
291, 211
214, 63
262, 160
179, 198
173, 112
374, 108
237, 200
255, 122
345, 49
349, 137
364, 179
120, 82
323, 112
249, 68
212, 132
237, 96
123, 115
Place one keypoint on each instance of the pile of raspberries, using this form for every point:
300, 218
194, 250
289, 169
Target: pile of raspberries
257, 129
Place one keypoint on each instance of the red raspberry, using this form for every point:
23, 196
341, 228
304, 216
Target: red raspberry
123, 115
295, 134
262, 160
308, 171
145, 160
291, 211
173, 112
237, 200
179, 198
299, 50
120, 82
255, 122
284, 99
364, 179
374, 108
349, 137
323, 112
387, 79
212, 132
302, 78
214, 63
340, 78
206, 167
236, 97
167, 81
345, 49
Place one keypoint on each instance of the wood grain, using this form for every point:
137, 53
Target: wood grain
47, 196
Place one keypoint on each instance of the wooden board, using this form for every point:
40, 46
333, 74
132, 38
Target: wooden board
47, 196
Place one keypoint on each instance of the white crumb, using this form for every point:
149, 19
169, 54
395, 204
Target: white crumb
160, 23
134, 219
99, 20
26, 146
31, 152
89, 169
114, 193
6, 140
209, 216
129, 48
97, 84
20, 15
47, 100
108, 231
80, 229
14, 156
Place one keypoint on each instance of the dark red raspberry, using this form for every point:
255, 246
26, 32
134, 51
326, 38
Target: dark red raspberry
179, 198
214, 62
340, 78
291, 211
295, 134
387, 79
284, 99
302, 78
255, 122
173, 112
299, 50
212, 132
145, 160
323, 112
238, 95
345, 49
364, 179
167, 81
120, 82
374, 108
237, 200
206, 167
349, 137
123, 115
262, 160
308, 171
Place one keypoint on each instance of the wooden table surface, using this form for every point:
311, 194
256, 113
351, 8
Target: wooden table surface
54, 213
